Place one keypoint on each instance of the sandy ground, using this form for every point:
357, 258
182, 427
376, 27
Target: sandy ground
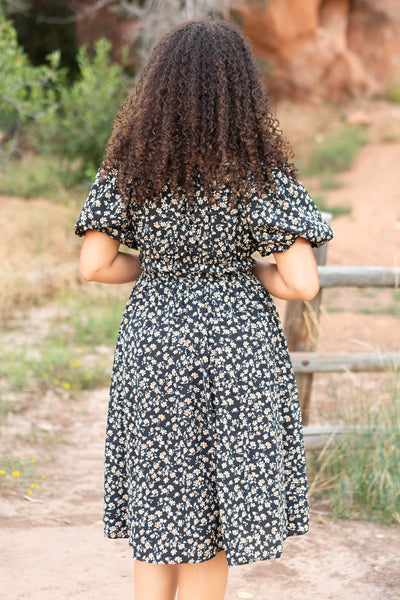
51, 543
53, 546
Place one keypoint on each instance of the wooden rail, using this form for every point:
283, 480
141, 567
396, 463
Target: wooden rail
315, 437
312, 362
358, 276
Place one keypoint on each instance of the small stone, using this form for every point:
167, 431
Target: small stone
244, 595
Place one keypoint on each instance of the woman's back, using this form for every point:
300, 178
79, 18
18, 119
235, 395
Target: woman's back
215, 236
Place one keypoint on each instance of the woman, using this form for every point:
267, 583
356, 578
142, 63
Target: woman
205, 464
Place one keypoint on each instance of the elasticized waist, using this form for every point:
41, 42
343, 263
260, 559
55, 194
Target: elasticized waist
197, 268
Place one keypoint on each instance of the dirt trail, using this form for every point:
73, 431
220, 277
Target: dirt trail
52, 546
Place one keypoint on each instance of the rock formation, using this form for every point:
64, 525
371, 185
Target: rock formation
332, 49
308, 49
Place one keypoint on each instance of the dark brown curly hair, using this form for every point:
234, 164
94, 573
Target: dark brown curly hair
199, 109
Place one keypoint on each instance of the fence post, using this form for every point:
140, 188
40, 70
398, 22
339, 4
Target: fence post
301, 329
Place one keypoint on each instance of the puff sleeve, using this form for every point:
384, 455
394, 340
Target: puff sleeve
104, 211
278, 218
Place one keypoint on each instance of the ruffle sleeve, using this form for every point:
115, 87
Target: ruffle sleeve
104, 211
278, 218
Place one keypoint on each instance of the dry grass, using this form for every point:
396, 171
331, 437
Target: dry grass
358, 475
38, 252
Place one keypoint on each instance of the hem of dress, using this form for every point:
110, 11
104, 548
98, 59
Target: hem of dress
274, 555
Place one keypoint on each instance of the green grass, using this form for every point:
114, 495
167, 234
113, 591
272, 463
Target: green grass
20, 474
358, 475
75, 355
330, 182
393, 93
95, 321
380, 303
335, 210
56, 364
392, 310
35, 176
335, 152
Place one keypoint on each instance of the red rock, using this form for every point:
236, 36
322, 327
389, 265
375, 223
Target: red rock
312, 49
332, 49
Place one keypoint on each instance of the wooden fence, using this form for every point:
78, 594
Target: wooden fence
302, 324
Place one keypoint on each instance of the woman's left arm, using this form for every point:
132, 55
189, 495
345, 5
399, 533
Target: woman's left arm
102, 261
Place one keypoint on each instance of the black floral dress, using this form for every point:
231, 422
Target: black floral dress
204, 447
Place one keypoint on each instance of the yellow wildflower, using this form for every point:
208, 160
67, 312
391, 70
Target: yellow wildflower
75, 363
34, 485
88, 377
2, 472
56, 381
66, 385
15, 473
29, 491
33, 460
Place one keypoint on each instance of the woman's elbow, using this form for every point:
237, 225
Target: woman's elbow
88, 269
310, 293
87, 273
307, 290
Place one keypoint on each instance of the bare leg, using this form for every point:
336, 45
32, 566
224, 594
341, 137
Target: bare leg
204, 581
155, 582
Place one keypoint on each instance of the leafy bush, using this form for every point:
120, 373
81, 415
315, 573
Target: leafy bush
79, 125
73, 121
393, 93
336, 210
8, 7
26, 91
337, 152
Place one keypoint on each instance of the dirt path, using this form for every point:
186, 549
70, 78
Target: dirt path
52, 545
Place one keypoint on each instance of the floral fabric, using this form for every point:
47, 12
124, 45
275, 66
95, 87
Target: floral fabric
204, 447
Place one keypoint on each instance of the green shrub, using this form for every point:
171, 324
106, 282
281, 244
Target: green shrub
26, 92
9, 7
335, 153
79, 125
71, 121
393, 93
34, 175
336, 210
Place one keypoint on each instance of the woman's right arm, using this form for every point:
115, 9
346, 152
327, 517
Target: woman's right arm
102, 261
295, 275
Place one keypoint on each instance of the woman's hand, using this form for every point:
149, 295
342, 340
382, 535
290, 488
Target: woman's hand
101, 260
295, 275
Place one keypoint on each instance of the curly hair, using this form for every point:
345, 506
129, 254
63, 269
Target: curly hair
200, 109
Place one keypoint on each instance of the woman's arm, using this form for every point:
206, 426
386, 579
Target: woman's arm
295, 275
101, 260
